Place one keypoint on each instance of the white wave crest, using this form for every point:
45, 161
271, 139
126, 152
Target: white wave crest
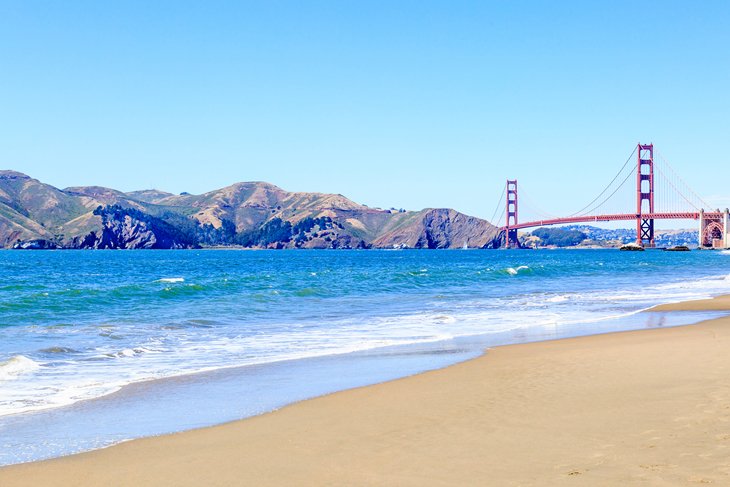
129, 352
16, 366
513, 271
444, 319
171, 279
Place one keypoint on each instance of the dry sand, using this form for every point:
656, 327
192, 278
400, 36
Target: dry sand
636, 408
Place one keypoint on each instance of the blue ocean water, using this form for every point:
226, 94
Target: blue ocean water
101, 346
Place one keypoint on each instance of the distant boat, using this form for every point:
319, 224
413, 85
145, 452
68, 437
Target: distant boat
465, 246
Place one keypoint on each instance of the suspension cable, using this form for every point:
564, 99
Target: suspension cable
661, 173
702, 201
614, 191
499, 204
526, 201
581, 211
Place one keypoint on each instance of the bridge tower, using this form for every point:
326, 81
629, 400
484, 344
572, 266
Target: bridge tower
510, 235
645, 193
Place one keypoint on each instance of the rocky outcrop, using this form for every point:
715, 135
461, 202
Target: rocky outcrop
125, 228
632, 247
38, 244
347, 242
441, 229
15, 227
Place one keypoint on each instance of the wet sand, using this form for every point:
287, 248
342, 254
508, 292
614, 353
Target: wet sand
721, 303
648, 407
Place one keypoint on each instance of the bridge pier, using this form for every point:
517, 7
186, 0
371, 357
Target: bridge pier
510, 239
713, 230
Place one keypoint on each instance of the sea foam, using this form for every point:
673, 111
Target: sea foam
17, 366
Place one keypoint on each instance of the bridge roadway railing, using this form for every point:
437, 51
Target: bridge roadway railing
614, 217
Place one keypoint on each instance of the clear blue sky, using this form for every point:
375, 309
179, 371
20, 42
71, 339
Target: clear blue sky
396, 103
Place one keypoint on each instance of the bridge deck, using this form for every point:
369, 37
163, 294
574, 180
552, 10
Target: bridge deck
615, 217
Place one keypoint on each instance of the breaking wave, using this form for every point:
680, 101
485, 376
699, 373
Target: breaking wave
17, 366
513, 271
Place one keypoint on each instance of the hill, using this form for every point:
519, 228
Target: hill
587, 235
250, 214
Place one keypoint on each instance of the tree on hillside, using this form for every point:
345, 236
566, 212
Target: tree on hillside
559, 237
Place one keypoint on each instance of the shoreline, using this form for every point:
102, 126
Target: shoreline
667, 307
299, 442
182, 403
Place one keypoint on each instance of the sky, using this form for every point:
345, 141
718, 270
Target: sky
408, 104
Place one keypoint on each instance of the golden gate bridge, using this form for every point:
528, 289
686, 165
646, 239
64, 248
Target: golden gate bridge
659, 194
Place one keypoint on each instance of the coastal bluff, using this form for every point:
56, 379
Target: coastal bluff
35, 215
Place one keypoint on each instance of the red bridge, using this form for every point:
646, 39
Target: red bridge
685, 205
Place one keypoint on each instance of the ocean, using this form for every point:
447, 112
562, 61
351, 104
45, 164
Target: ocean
98, 347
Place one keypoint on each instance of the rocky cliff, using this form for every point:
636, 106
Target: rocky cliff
440, 229
127, 228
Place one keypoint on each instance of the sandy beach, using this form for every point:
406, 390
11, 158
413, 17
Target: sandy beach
649, 407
